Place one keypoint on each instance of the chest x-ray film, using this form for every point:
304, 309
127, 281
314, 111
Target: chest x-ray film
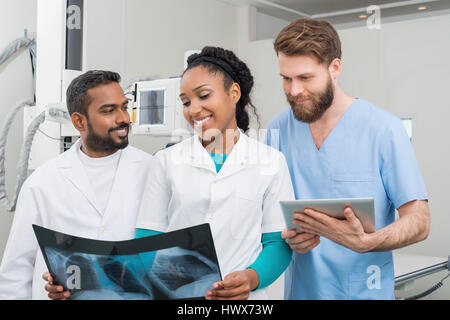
180, 264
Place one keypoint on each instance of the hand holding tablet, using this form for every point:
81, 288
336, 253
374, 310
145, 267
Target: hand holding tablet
362, 207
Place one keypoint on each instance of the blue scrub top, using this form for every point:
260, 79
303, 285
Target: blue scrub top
367, 154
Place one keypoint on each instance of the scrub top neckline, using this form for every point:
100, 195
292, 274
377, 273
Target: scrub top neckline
341, 119
219, 159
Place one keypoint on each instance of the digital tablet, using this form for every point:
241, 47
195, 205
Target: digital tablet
363, 207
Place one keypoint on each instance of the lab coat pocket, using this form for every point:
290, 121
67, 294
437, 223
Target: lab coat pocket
353, 185
369, 282
246, 219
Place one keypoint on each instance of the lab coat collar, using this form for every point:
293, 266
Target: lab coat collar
236, 161
72, 168
198, 156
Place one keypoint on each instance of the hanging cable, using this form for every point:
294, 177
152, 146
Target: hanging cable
9, 51
429, 291
10, 206
15, 46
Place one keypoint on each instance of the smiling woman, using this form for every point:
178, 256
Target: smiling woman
220, 176
215, 92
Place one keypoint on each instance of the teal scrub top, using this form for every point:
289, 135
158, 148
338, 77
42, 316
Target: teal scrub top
367, 154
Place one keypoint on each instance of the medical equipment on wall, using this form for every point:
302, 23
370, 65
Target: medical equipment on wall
157, 109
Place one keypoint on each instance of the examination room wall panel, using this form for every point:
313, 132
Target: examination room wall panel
403, 68
15, 84
141, 38
412, 79
415, 84
421, 66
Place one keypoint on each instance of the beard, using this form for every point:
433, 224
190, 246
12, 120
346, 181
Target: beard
319, 104
97, 143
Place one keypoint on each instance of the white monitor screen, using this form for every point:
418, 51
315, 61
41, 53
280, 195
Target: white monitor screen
151, 107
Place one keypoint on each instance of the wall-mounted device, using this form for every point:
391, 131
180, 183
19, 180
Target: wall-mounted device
157, 108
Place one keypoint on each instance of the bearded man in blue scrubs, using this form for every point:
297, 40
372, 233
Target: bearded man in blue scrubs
338, 146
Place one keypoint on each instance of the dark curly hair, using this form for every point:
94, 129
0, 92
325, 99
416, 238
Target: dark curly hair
216, 59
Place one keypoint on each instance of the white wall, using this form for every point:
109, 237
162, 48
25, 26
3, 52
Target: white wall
415, 82
15, 84
267, 27
412, 79
141, 37
403, 68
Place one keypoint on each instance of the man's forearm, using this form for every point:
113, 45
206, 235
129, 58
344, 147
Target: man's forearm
410, 228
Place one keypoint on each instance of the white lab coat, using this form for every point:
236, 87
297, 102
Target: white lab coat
240, 202
59, 196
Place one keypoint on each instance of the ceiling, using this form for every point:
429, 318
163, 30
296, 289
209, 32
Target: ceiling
344, 11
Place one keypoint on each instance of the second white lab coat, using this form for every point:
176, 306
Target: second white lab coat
58, 196
240, 203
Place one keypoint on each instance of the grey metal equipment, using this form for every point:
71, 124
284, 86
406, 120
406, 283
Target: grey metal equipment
424, 272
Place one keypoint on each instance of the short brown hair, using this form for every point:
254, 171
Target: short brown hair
307, 36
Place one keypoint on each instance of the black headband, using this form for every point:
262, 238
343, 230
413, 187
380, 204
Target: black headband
220, 63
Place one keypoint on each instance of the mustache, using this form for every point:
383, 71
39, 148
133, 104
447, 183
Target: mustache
295, 98
120, 127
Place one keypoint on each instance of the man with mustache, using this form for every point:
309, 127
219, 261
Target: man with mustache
338, 146
93, 190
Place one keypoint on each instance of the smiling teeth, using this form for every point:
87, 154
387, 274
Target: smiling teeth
200, 122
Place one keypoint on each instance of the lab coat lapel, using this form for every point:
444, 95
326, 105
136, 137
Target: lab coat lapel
237, 159
198, 156
71, 167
